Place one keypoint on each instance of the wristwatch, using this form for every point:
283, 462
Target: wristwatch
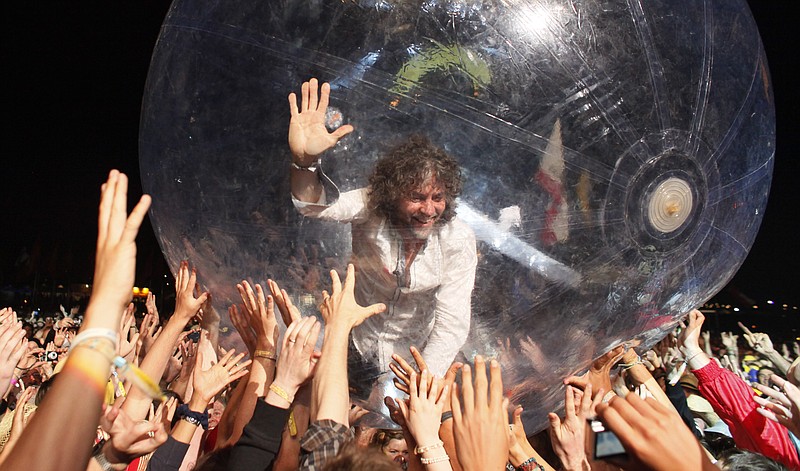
100, 457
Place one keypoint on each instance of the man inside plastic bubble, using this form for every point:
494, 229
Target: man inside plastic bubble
409, 249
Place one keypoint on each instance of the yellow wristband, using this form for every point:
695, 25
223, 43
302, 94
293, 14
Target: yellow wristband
280, 392
265, 354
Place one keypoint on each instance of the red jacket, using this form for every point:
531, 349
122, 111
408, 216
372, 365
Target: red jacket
732, 400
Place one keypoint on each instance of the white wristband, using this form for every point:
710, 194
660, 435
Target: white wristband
96, 333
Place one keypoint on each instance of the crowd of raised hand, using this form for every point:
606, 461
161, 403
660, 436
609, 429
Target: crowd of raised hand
125, 391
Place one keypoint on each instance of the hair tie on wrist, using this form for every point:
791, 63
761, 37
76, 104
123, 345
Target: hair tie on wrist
196, 418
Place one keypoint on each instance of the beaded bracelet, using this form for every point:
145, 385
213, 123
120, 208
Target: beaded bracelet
422, 449
435, 459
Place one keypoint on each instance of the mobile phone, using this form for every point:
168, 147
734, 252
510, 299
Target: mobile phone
194, 336
606, 443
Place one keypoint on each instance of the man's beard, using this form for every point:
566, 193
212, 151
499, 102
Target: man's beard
421, 232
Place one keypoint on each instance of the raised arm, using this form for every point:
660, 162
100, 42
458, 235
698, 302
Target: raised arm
86, 371
330, 396
761, 343
155, 361
308, 138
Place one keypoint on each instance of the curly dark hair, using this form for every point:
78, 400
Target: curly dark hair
408, 166
383, 436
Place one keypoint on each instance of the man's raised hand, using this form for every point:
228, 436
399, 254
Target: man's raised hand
308, 136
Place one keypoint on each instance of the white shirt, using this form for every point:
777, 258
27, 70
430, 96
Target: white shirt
428, 303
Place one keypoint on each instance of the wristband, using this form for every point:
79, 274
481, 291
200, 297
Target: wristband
446, 415
627, 366
280, 392
99, 344
95, 333
530, 465
265, 354
195, 418
422, 449
310, 168
692, 357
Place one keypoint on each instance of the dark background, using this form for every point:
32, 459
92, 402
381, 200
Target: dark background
74, 73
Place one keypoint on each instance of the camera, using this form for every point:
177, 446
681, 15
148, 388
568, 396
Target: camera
606, 443
194, 336
50, 356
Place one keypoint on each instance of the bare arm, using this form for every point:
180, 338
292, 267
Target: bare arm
155, 362
330, 394
86, 371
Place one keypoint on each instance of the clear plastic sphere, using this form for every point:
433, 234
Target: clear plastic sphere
617, 155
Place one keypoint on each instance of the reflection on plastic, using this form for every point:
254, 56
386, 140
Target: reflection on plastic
617, 155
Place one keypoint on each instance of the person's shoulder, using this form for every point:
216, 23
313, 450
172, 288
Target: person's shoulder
456, 233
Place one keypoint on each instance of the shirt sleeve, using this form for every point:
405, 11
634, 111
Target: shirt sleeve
169, 456
260, 440
321, 442
350, 206
732, 399
453, 299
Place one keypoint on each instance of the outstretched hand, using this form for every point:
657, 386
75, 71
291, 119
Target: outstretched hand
480, 427
289, 312
207, 383
599, 374
115, 258
260, 314
298, 357
423, 410
654, 437
689, 339
130, 438
783, 405
758, 341
567, 435
308, 136
187, 302
340, 307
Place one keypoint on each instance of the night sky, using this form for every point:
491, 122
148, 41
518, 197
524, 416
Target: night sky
74, 74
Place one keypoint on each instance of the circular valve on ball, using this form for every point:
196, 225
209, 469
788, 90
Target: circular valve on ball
670, 205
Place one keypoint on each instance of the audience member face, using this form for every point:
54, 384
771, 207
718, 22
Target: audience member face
397, 450
214, 414
763, 376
